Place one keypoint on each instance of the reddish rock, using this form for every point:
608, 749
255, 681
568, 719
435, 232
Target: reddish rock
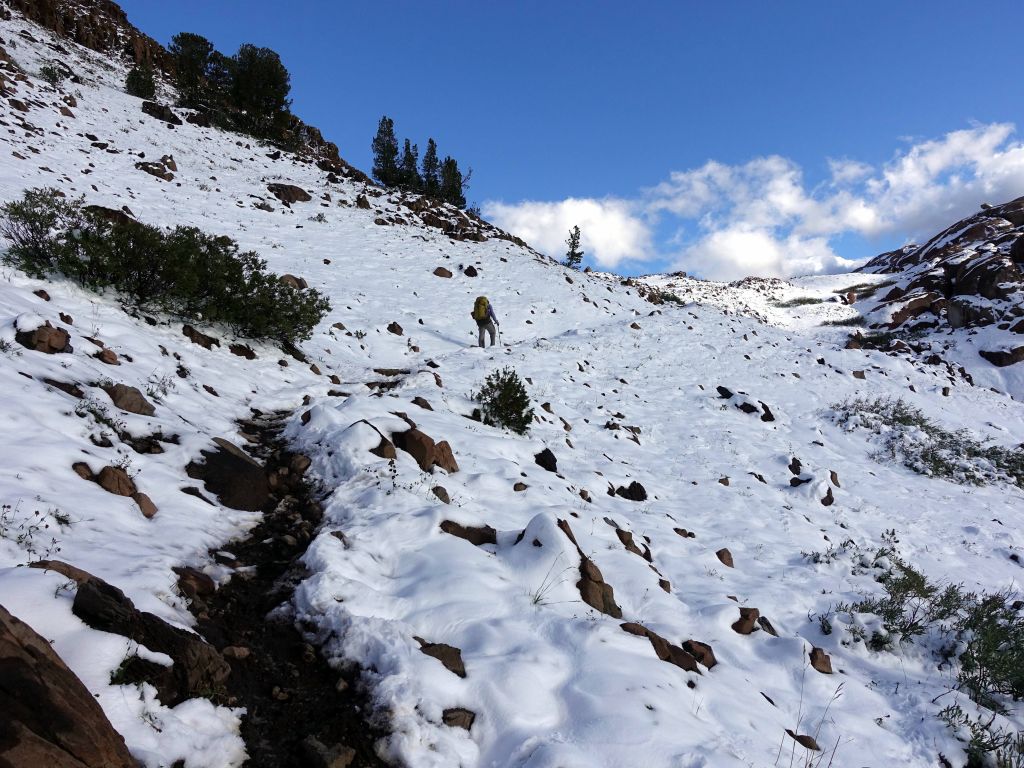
108, 356
146, 505
520, 487
444, 458
298, 283
829, 499
418, 445
702, 652
747, 621
50, 719
422, 403
634, 492
204, 341
442, 493
46, 339
1003, 357
725, 556
289, 193
161, 112
115, 480
821, 661
129, 399
448, 655
82, 469
663, 649
42, 294
477, 535
385, 450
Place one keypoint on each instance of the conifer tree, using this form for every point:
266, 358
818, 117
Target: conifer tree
431, 171
452, 183
411, 180
385, 153
259, 88
574, 256
192, 56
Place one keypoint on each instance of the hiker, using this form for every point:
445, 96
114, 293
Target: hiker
483, 313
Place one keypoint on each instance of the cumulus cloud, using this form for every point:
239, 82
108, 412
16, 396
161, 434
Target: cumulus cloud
762, 218
612, 231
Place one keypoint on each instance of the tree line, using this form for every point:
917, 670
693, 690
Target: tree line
439, 179
246, 92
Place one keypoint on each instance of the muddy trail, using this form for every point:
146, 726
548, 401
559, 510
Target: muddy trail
301, 712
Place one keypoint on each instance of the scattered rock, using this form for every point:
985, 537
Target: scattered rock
242, 350
146, 505
859, 375
385, 450
395, 328
108, 356
829, 499
724, 393
634, 492
115, 480
448, 655
160, 112
442, 493
318, 755
470, 271
546, 460
289, 193
130, 399
804, 740
702, 652
477, 535
725, 556
664, 650
821, 661
65, 386
159, 170
442, 272
204, 341
747, 621
49, 716
422, 403
46, 339
238, 480
298, 283
457, 717
194, 583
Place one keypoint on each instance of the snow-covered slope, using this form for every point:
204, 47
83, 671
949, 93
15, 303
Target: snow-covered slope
625, 390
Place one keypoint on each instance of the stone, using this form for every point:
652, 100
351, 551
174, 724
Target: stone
804, 740
747, 621
633, 492
725, 556
115, 480
859, 375
442, 272
457, 717
289, 193
168, 163
155, 169
821, 661
663, 649
146, 505
82, 469
546, 460
362, 202
442, 493
702, 652
204, 341
834, 477
829, 499
108, 356
422, 403
477, 535
42, 294
594, 591
448, 655
520, 487
395, 328
194, 583
795, 466
418, 445
50, 719
161, 112
385, 449
244, 350
130, 399
470, 271
46, 339
67, 387
298, 283
319, 755
238, 480
1003, 357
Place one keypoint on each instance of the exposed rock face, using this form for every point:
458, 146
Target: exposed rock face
237, 479
49, 717
161, 112
967, 276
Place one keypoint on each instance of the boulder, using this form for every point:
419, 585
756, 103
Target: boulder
156, 169
116, 481
385, 449
238, 480
419, 445
129, 399
725, 556
747, 621
204, 341
442, 493
633, 492
546, 460
594, 591
289, 193
422, 403
470, 271
442, 272
298, 283
663, 649
146, 505
448, 655
194, 583
1003, 357
821, 661
46, 339
457, 717
49, 717
477, 535
395, 328
161, 112
445, 458
702, 652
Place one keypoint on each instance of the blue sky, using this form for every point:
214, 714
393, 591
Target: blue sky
719, 137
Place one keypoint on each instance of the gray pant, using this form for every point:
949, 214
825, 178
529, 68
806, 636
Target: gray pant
487, 326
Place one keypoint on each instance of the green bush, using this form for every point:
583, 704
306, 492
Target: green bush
140, 82
504, 401
185, 272
799, 301
52, 74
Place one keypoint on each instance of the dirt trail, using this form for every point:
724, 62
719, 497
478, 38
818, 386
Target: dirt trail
300, 711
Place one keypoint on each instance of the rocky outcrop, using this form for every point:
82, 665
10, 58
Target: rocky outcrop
49, 717
238, 480
289, 193
46, 339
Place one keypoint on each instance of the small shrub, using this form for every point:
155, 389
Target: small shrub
140, 82
799, 301
52, 74
504, 401
848, 321
185, 272
910, 437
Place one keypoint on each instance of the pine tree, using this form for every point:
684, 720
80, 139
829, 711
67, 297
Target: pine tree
385, 153
431, 171
192, 55
574, 256
140, 82
260, 89
452, 183
411, 181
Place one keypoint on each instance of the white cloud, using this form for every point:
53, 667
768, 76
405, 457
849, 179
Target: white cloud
761, 218
612, 232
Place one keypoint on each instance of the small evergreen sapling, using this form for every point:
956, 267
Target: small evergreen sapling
504, 402
574, 256
140, 82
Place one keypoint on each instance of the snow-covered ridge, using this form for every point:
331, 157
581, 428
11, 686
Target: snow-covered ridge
625, 391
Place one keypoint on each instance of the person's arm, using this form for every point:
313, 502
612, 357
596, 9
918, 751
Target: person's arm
490, 311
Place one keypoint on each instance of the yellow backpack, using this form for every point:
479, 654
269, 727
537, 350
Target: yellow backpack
480, 307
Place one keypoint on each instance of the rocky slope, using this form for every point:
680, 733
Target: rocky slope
650, 576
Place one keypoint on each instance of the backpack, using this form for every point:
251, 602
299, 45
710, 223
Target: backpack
480, 307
